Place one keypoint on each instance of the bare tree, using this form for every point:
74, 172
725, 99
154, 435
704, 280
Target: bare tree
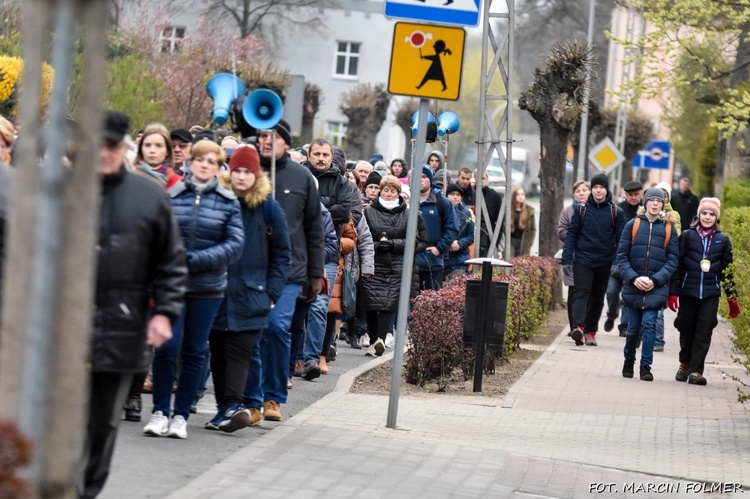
366, 106
404, 111
313, 98
554, 98
266, 19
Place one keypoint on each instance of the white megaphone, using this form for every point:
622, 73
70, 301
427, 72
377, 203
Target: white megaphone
262, 109
447, 123
224, 88
415, 121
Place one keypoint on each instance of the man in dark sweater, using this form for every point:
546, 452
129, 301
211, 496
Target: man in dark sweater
633, 194
295, 190
685, 202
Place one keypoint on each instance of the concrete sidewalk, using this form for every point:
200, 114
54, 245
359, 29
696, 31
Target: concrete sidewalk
572, 426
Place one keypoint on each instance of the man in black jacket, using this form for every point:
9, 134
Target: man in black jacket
685, 202
295, 190
334, 189
140, 259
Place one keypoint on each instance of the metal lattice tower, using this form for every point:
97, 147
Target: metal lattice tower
495, 114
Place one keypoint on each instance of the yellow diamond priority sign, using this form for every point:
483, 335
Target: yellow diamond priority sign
426, 61
605, 155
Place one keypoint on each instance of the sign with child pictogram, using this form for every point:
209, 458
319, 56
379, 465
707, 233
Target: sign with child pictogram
426, 61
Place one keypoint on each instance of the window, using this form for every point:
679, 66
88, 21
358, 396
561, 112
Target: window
347, 59
170, 38
335, 133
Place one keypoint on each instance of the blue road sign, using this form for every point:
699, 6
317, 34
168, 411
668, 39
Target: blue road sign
456, 12
656, 155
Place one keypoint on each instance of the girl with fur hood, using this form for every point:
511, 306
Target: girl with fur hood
255, 284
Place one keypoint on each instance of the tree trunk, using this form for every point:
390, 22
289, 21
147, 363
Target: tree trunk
554, 142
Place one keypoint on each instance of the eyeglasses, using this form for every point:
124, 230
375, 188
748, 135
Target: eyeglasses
180, 145
654, 200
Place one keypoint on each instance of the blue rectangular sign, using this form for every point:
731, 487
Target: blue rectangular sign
656, 156
455, 12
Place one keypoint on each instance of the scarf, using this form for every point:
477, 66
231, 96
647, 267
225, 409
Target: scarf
389, 205
707, 236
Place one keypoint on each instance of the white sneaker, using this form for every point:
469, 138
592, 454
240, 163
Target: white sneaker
390, 341
379, 347
365, 341
371, 352
157, 425
177, 427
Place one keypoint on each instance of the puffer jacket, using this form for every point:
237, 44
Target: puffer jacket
335, 193
646, 256
140, 257
211, 228
348, 243
380, 291
689, 280
332, 240
595, 242
441, 232
256, 280
465, 236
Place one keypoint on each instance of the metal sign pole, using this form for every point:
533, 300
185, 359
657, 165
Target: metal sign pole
409, 254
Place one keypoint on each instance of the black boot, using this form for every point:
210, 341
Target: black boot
133, 406
646, 373
627, 369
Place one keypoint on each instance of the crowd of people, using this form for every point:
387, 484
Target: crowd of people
640, 249
209, 265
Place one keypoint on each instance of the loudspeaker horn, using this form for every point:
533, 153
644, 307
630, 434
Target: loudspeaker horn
224, 88
447, 123
262, 109
415, 121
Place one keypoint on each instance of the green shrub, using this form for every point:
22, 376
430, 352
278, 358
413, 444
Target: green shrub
436, 327
736, 223
736, 193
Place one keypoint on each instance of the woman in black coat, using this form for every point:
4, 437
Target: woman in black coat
386, 217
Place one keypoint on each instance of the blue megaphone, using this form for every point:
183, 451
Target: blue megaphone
262, 109
447, 123
415, 120
224, 88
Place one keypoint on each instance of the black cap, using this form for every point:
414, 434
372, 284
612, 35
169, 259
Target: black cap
283, 129
373, 178
116, 125
204, 135
454, 188
182, 134
633, 185
600, 179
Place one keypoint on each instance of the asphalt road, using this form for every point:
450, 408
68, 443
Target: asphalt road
153, 467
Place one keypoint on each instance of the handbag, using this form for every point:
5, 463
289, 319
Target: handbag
348, 292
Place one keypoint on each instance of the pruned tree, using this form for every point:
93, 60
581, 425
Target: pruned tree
366, 107
554, 99
313, 99
268, 19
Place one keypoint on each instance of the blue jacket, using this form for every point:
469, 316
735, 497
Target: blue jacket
689, 280
441, 232
646, 256
258, 277
211, 228
595, 242
332, 241
465, 236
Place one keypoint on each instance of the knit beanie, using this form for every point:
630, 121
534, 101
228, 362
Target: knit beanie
375, 158
712, 204
373, 178
427, 170
283, 129
600, 179
653, 192
245, 157
454, 188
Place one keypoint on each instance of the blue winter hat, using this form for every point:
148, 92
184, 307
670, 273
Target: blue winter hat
375, 158
427, 170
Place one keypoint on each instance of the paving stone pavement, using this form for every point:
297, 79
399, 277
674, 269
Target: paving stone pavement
572, 426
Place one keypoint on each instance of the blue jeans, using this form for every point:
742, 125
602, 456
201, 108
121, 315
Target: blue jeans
298, 330
638, 320
316, 319
189, 340
659, 342
614, 286
266, 379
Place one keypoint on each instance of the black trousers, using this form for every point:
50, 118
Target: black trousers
330, 330
378, 324
230, 362
590, 288
696, 320
107, 396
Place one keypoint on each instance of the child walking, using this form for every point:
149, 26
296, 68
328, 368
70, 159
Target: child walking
705, 254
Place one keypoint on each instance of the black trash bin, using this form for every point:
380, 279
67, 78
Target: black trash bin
497, 305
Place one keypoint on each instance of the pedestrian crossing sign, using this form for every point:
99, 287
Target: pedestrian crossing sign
426, 61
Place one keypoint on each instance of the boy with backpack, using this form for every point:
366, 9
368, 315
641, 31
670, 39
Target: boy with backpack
646, 256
